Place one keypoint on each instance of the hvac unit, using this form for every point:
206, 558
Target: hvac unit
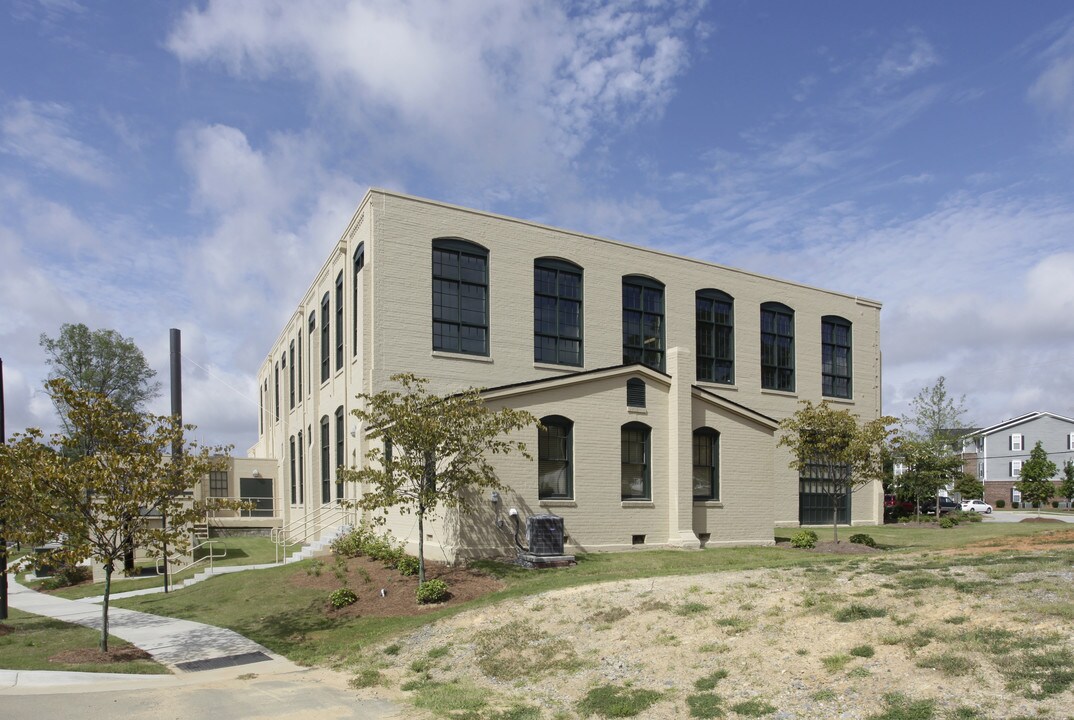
544, 534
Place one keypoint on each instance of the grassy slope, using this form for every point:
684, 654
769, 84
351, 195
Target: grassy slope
265, 607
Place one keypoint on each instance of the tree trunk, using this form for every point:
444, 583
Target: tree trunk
104, 607
835, 518
421, 546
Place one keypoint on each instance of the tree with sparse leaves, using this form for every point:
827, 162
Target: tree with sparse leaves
834, 448
84, 502
928, 469
934, 413
99, 361
1066, 487
440, 450
1035, 479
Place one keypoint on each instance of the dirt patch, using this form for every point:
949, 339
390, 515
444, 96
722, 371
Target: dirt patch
383, 592
844, 548
1041, 520
5, 629
87, 656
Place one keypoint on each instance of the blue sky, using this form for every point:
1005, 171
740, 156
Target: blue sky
177, 164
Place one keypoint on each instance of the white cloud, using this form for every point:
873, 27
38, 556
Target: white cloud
40, 133
473, 90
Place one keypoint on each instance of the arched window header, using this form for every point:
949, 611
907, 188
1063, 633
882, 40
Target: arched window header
555, 263
715, 294
460, 245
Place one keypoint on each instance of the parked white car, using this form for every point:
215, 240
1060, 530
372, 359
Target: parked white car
976, 506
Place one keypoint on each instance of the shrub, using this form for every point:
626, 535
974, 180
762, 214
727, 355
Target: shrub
804, 539
1001, 503
1014, 504
362, 540
863, 539
342, 598
947, 522
432, 591
972, 517
1055, 504
407, 565
67, 576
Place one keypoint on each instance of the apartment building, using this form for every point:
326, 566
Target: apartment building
659, 380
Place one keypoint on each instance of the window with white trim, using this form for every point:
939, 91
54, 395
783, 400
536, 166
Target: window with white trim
1070, 441
1016, 468
1017, 442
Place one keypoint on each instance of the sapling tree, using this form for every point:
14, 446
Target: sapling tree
95, 506
837, 450
969, 487
1035, 481
928, 469
1066, 487
440, 450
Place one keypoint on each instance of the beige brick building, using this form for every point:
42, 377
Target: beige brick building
660, 379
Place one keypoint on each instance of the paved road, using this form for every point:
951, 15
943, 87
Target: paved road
1019, 516
311, 694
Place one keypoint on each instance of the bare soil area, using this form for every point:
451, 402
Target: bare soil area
804, 643
93, 656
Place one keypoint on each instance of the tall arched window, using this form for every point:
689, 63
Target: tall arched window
339, 321
325, 343
294, 477
557, 312
554, 458
460, 297
715, 336
341, 458
643, 321
777, 347
291, 377
835, 356
636, 465
706, 464
301, 470
359, 263
326, 462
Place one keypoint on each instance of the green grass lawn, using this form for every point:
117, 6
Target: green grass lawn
267, 608
240, 551
34, 639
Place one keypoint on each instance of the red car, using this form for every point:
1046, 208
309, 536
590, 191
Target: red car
895, 507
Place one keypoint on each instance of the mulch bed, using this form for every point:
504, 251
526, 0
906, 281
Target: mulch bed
368, 577
87, 656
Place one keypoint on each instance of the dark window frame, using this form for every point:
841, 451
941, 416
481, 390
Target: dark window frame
715, 336
301, 470
639, 315
552, 303
298, 341
326, 362
215, 479
632, 437
294, 477
453, 286
555, 430
777, 347
309, 348
706, 445
341, 451
326, 462
277, 391
834, 383
358, 264
339, 321
635, 393
291, 377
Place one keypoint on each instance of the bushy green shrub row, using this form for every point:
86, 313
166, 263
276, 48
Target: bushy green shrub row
363, 540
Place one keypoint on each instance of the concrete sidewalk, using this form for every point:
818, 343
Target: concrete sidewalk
182, 645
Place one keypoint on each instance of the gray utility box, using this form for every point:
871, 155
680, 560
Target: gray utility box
544, 534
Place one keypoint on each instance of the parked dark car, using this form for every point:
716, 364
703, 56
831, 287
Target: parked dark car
928, 507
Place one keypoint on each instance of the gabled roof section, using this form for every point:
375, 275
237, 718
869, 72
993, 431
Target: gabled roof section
732, 406
1020, 420
532, 386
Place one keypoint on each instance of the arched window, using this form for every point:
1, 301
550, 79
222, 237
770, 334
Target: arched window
294, 477
557, 312
635, 393
777, 347
301, 470
643, 321
554, 458
341, 458
835, 356
339, 321
715, 336
325, 344
706, 464
359, 263
460, 297
277, 393
326, 462
291, 377
636, 462
309, 348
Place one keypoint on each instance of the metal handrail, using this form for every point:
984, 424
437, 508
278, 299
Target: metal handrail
211, 556
311, 524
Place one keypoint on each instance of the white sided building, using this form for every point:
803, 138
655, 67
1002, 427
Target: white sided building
660, 380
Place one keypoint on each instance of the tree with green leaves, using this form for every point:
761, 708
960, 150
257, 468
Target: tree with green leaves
928, 469
84, 502
1066, 487
1035, 479
834, 448
969, 487
440, 450
99, 361
934, 413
